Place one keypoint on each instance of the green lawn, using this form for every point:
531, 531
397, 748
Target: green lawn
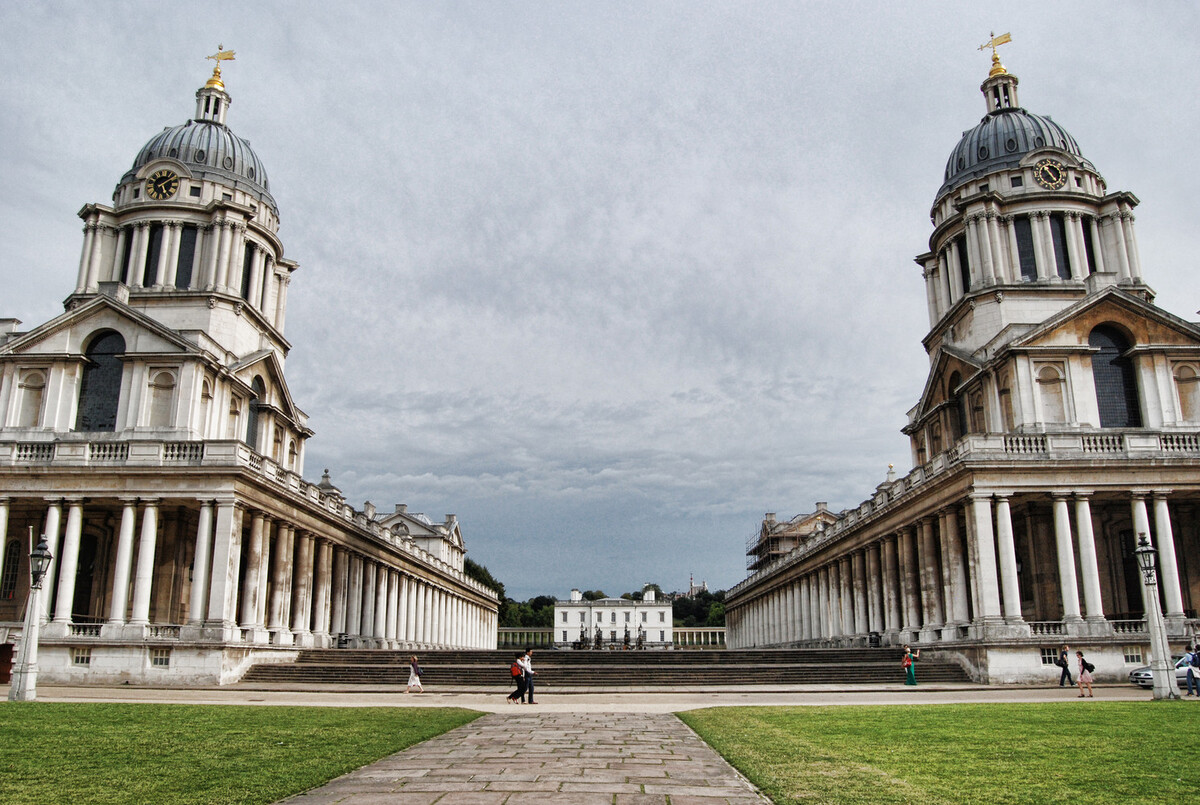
1065, 752
152, 753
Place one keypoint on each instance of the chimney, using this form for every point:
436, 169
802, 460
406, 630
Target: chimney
401, 508
770, 517
648, 595
822, 505
576, 595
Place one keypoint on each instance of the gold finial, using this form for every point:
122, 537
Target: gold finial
221, 55
993, 43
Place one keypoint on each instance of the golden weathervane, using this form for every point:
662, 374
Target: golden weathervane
993, 43
221, 55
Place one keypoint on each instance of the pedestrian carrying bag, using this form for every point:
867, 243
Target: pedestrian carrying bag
1087, 666
516, 669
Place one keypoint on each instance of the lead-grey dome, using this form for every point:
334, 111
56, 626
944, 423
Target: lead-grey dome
1000, 141
211, 151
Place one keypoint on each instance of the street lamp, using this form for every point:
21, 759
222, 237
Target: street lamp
24, 682
1165, 686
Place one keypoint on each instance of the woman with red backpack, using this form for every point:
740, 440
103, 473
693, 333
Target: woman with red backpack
518, 676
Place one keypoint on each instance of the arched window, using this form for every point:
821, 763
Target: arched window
162, 393
100, 391
1050, 391
206, 399
1115, 380
33, 390
1006, 403
8, 584
256, 394
291, 461
1187, 382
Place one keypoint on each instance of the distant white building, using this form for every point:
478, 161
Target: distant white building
610, 622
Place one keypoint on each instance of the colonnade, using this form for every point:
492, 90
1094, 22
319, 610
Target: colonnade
218, 261
950, 575
296, 588
1106, 242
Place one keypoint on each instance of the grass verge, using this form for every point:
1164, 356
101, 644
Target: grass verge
1127, 752
138, 753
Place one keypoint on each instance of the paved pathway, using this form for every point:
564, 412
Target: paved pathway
530, 758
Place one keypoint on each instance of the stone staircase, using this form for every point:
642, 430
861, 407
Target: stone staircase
606, 669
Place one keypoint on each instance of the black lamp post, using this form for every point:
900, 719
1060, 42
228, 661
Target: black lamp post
1165, 686
24, 683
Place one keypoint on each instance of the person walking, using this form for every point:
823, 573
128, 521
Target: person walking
529, 674
1193, 670
1064, 662
414, 676
909, 664
1085, 674
518, 676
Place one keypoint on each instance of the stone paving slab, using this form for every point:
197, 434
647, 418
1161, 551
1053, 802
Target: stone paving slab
544, 758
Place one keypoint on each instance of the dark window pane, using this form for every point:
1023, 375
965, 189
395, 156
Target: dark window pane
100, 390
256, 389
1025, 253
8, 586
150, 270
247, 262
124, 277
964, 263
187, 255
1115, 381
1088, 228
1058, 234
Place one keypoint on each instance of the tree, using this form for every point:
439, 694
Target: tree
481, 574
593, 595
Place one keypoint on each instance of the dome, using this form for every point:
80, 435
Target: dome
211, 151
1000, 141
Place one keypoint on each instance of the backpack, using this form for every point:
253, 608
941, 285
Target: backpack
1196, 658
516, 670
1087, 666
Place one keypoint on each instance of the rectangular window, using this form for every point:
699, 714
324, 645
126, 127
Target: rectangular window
150, 269
662, 637
1025, 255
1058, 234
247, 262
662, 617
81, 656
160, 657
564, 617
582, 617
613, 635
964, 263
643, 617
1133, 655
564, 636
8, 584
1049, 655
194, 191
627, 617
187, 256
1017, 181
612, 618
124, 276
1089, 248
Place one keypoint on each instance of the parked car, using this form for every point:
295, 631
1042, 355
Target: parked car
1142, 676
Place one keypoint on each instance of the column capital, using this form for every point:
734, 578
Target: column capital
1083, 494
1060, 494
976, 495
1158, 494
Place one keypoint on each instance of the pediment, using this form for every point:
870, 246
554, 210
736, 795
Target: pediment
947, 361
69, 333
265, 363
1146, 324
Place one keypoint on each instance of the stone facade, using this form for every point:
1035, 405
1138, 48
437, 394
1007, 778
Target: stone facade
149, 433
618, 621
1060, 420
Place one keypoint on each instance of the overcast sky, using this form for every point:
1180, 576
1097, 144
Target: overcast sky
607, 280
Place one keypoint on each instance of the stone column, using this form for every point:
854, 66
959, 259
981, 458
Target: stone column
1168, 566
823, 602
1089, 567
1007, 556
891, 587
412, 621
428, 622
956, 604
340, 585
52, 532
3, 532
302, 588
354, 597
391, 633
874, 589
931, 582
381, 604
85, 256
144, 575
370, 574
68, 565
322, 587
250, 586
983, 537
222, 239
226, 561
836, 601
200, 565
858, 567
281, 588
910, 584
402, 619
164, 251
1066, 559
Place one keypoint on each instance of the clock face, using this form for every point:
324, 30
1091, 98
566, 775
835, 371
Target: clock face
1050, 174
162, 184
